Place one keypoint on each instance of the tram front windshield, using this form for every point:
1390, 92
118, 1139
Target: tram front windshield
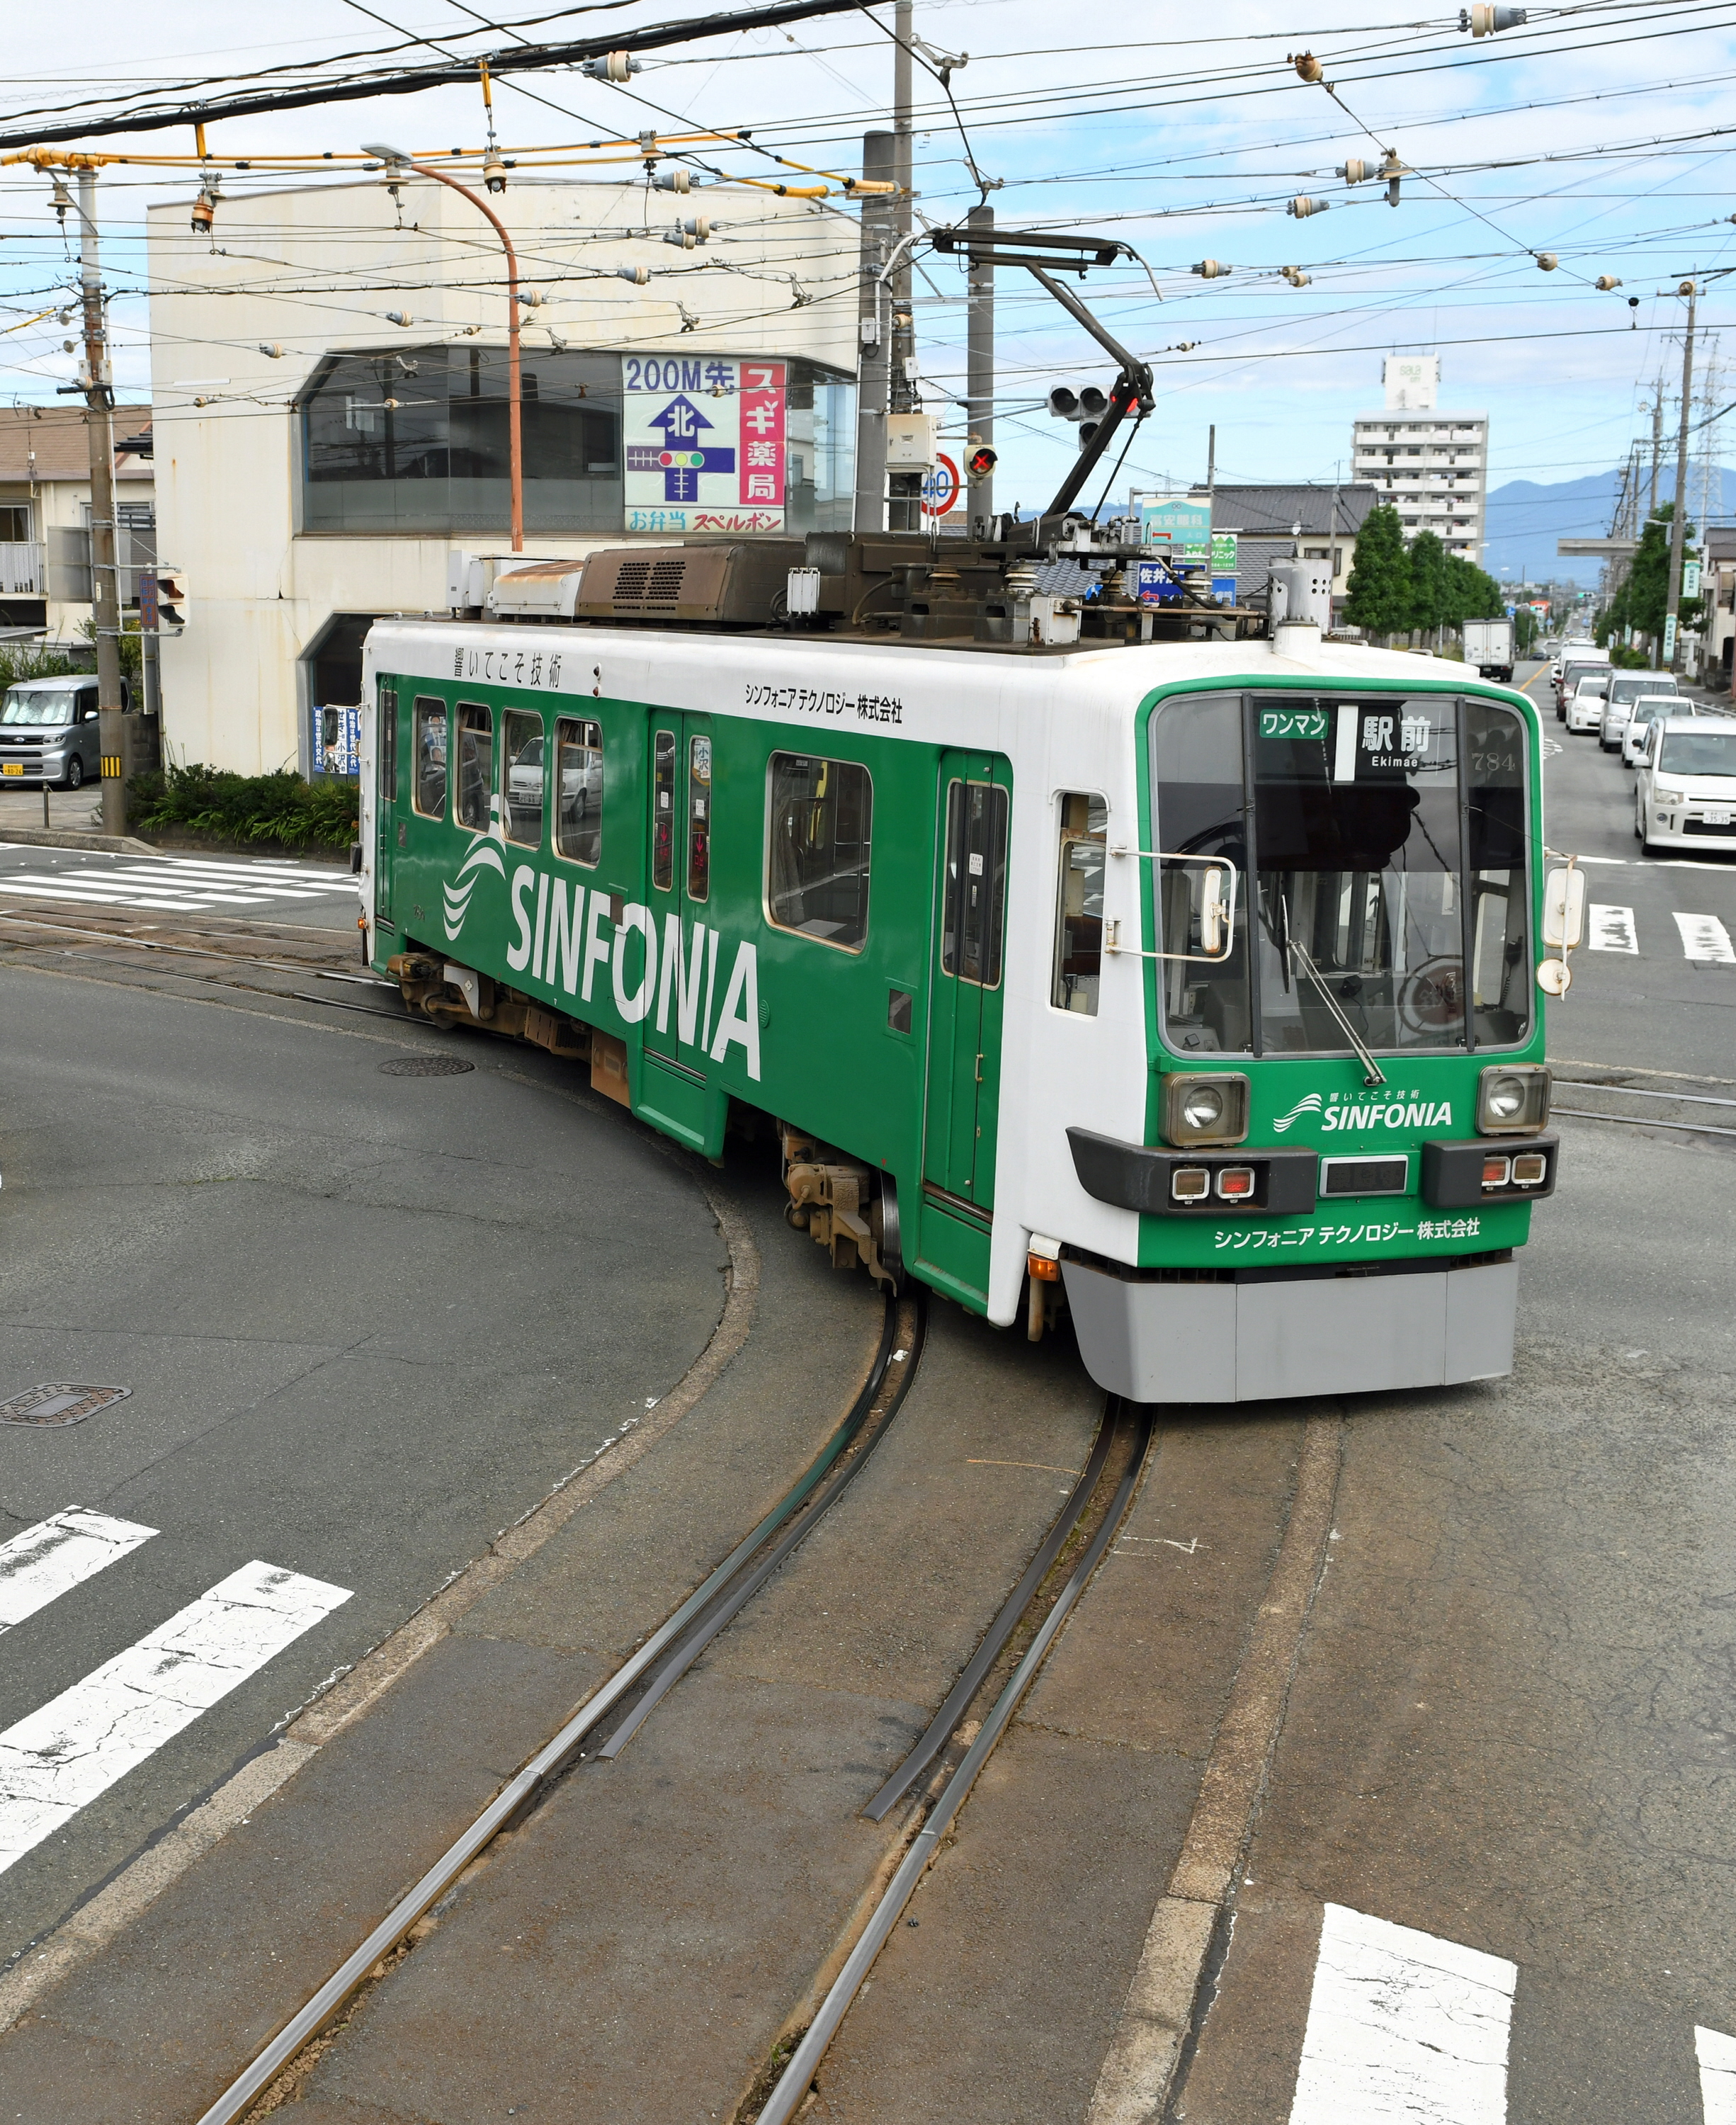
1380, 846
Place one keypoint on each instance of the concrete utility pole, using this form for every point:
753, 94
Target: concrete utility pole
904, 503
1657, 442
879, 233
1678, 520
99, 422
980, 364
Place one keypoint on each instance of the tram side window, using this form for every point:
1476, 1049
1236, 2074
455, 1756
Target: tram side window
475, 766
578, 830
522, 741
1494, 861
430, 757
1197, 767
663, 810
975, 900
387, 745
818, 847
1078, 912
698, 818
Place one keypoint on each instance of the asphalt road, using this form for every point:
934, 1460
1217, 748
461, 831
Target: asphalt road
367, 1320
1678, 1011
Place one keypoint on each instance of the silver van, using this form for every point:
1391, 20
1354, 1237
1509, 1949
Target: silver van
48, 731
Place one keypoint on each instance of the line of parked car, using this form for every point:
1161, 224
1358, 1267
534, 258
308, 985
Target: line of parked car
1683, 755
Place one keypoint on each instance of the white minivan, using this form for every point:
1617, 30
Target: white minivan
1625, 688
1687, 792
1585, 705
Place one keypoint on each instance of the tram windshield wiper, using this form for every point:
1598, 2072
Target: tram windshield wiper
1372, 1073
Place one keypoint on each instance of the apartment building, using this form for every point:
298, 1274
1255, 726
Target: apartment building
45, 516
1432, 465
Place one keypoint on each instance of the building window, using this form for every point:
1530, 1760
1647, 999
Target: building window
475, 766
15, 524
415, 440
430, 758
818, 846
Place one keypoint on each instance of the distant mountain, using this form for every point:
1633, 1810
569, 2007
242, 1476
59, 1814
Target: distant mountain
1525, 520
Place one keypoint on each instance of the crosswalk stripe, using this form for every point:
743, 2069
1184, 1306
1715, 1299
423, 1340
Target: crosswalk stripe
1612, 928
1717, 2057
1403, 2028
1705, 937
77, 897
58, 1554
60, 1759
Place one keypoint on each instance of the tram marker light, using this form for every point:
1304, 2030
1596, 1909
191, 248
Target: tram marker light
1235, 1183
1190, 1184
1205, 1107
1044, 1268
1496, 1172
1512, 1098
1531, 1169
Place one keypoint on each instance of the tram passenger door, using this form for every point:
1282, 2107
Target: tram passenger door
968, 977
385, 801
680, 837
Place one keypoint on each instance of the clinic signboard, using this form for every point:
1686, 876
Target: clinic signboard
705, 440
1177, 527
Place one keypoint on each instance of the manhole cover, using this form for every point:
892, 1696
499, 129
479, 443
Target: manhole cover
58, 1403
425, 1065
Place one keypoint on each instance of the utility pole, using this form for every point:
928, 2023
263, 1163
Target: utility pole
904, 506
879, 225
1657, 441
980, 364
1678, 520
99, 422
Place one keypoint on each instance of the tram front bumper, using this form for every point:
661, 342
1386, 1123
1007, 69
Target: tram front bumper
1266, 1336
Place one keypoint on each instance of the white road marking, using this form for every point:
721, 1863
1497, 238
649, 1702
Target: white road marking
56, 1555
77, 897
1403, 2028
1717, 2057
58, 1760
1612, 928
1705, 937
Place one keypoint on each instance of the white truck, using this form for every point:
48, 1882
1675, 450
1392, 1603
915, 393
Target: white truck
1488, 644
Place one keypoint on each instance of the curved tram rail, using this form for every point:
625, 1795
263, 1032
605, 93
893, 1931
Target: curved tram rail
639, 1683
1662, 1109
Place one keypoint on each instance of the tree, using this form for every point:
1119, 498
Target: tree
1526, 628
1429, 582
1379, 595
1643, 600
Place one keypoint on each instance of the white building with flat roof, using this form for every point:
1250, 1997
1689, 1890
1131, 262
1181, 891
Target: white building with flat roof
1431, 466
329, 376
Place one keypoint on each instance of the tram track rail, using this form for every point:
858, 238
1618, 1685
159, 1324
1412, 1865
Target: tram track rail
1612, 1087
635, 1687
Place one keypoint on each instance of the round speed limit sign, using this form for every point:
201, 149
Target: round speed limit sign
940, 489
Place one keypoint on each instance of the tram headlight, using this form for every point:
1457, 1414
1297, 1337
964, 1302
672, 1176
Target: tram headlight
1512, 1098
1205, 1108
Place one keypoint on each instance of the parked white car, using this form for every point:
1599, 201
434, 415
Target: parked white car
1625, 688
1646, 711
1687, 792
1585, 705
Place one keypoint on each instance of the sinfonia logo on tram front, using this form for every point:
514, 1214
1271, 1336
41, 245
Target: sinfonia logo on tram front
1382, 1108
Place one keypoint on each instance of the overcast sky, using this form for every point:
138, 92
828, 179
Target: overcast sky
1600, 134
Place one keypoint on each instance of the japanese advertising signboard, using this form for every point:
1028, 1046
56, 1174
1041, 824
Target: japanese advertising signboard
1175, 526
705, 442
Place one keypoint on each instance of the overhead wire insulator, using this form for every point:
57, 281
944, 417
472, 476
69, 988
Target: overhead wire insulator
639, 276
1354, 173
681, 237
1485, 21
698, 227
615, 66
271, 350
1687, 288
400, 317
1606, 281
1547, 262
1210, 268
1392, 169
531, 298
675, 179
494, 170
204, 211
1302, 206
63, 200
1306, 65
1296, 276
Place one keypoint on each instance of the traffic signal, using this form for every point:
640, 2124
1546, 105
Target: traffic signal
172, 601
981, 462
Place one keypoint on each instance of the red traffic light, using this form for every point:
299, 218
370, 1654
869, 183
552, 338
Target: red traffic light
981, 462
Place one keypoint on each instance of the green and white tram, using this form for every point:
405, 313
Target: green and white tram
1196, 980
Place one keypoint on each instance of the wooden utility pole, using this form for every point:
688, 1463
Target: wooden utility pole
1678, 517
99, 420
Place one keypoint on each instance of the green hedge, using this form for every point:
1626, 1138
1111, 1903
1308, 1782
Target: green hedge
245, 808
